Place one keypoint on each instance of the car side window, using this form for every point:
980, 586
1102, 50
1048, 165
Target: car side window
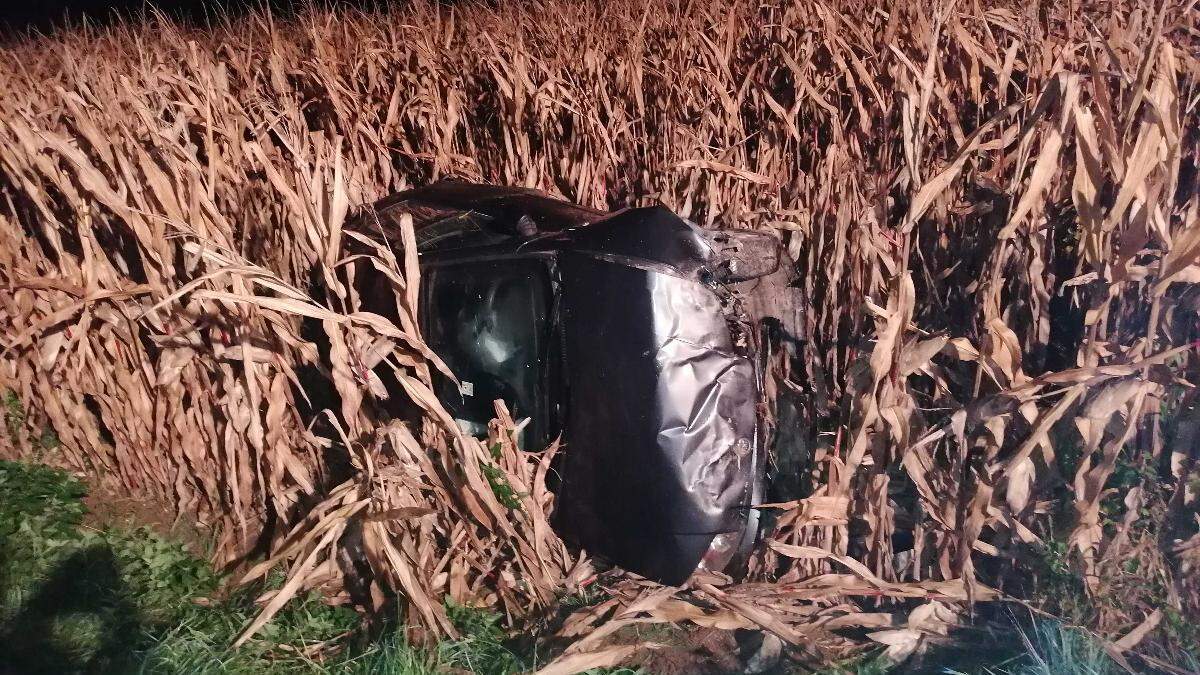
490, 320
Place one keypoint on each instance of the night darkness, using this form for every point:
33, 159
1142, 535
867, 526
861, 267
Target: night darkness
46, 15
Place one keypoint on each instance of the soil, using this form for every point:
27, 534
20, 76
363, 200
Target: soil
684, 650
106, 508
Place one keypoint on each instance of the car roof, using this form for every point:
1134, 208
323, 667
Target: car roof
457, 218
457, 214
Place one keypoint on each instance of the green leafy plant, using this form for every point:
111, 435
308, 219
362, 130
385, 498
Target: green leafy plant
503, 490
14, 414
498, 481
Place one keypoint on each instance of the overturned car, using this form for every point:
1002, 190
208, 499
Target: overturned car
640, 339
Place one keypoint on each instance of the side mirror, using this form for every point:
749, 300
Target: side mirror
742, 255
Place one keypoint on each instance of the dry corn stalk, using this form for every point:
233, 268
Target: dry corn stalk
996, 213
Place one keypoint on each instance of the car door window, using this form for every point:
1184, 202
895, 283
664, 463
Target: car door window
490, 322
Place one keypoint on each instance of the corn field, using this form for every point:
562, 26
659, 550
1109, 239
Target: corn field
995, 209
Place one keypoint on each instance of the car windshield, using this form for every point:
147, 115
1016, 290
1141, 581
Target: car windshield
488, 320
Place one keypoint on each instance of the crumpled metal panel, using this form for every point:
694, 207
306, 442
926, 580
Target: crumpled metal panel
706, 396
653, 234
661, 431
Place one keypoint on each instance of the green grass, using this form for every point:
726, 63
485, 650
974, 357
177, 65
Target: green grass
14, 414
484, 648
1037, 648
74, 599
77, 599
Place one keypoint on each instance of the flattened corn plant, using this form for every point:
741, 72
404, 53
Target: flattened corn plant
995, 209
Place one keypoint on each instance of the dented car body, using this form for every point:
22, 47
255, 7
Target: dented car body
638, 338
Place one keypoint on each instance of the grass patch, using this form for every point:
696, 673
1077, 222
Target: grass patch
74, 599
484, 648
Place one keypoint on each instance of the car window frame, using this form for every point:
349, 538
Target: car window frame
551, 398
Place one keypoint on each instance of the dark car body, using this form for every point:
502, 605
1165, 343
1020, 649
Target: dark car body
637, 337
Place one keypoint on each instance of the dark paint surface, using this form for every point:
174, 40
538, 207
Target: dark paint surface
661, 425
